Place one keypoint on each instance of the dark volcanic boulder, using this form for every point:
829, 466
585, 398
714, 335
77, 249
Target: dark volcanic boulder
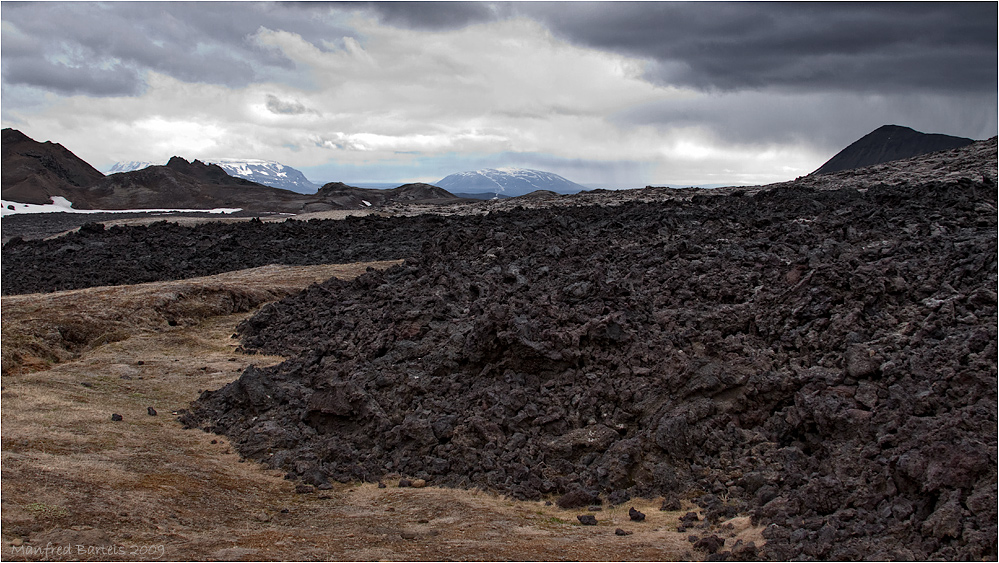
823, 360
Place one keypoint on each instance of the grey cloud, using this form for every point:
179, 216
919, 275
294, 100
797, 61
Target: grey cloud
720, 46
432, 15
855, 46
279, 106
209, 42
825, 122
71, 80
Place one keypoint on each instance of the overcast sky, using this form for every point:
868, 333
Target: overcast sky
610, 94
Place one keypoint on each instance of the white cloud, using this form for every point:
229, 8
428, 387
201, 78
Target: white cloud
505, 86
415, 102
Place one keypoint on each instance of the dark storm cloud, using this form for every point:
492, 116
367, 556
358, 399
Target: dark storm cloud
431, 15
71, 80
852, 46
102, 48
824, 121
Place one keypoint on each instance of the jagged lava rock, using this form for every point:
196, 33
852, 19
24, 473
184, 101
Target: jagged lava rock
655, 348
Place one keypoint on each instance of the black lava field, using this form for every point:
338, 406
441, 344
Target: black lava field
824, 361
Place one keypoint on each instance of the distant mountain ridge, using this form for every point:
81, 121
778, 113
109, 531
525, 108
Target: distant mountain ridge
183, 184
266, 172
888, 143
508, 182
34, 173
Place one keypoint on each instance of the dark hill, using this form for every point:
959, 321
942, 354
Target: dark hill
33, 172
207, 173
186, 185
421, 192
887, 143
337, 195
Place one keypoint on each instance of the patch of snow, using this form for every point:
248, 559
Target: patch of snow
62, 205
59, 204
365, 202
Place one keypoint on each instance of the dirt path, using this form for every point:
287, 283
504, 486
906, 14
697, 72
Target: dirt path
79, 485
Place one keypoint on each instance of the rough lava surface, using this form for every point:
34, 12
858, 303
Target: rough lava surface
823, 360
820, 357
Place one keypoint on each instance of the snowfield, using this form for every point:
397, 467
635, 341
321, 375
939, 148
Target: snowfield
62, 205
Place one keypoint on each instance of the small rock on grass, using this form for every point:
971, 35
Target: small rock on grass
587, 519
620, 532
150, 411
405, 483
304, 489
116, 417
635, 515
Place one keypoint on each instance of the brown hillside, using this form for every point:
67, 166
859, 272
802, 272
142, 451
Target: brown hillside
33, 172
188, 185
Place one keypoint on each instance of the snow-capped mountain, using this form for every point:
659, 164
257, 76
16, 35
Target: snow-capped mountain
266, 172
129, 166
508, 182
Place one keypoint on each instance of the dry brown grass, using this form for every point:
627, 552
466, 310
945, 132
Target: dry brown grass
72, 476
43, 329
